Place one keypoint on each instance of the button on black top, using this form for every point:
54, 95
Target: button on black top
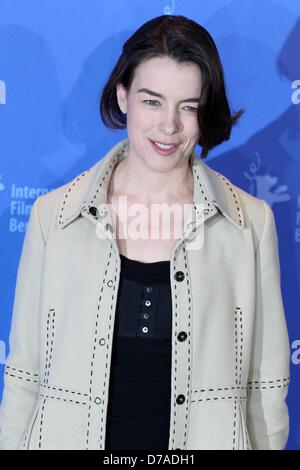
134, 300
140, 379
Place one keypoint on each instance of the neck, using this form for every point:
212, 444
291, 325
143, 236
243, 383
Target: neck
134, 179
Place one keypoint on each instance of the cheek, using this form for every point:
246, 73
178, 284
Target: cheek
138, 117
192, 129
146, 120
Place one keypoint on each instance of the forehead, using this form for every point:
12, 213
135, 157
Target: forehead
164, 73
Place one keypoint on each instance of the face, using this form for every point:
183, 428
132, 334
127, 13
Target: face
170, 118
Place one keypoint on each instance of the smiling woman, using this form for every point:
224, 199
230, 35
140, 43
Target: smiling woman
186, 43
151, 343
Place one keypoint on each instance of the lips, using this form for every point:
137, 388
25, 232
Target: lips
164, 151
163, 143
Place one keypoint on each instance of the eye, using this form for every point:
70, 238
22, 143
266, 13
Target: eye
150, 101
192, 109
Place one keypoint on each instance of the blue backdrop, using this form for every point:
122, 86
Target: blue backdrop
55, 57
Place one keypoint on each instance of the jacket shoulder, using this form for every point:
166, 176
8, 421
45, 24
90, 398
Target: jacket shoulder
57, 199
256, 211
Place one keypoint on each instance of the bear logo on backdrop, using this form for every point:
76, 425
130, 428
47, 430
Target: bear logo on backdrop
262, 186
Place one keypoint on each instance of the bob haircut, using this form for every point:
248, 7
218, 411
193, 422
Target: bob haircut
183, 40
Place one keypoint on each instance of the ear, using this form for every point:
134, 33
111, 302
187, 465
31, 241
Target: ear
121, 97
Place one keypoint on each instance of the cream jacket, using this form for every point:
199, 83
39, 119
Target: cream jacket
230, 345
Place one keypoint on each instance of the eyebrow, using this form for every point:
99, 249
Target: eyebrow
153, 93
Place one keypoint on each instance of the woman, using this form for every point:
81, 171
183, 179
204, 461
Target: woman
127, 342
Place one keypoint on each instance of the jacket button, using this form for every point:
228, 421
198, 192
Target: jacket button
110, 283
180, 399
93, 210
179, 276
98, 400
102, 342
182, 336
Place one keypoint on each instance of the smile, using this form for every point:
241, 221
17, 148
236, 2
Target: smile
164, 149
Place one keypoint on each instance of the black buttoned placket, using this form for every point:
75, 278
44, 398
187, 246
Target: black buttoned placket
140, 380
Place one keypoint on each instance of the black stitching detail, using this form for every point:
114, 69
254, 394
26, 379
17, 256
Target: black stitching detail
268, 387
201, 187
25, 439
220, 389
220, 398
21, 378
269, 381
93, 356
238, 333
108, 171
64, 390
63, 399
108, 356
189, 345
175, 353
41, 424
22, 371
67, 194
266, 384
241, 345
50, 327
234, 427
237, 206
236, 379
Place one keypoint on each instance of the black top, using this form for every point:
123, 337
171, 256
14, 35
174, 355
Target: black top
138, 414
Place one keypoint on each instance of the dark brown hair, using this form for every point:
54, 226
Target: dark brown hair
183, 40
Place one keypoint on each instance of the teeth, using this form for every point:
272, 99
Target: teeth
164, 146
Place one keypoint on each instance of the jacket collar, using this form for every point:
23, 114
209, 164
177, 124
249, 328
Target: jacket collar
212, 191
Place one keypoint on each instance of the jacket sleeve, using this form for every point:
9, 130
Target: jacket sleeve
267, 412
21, 374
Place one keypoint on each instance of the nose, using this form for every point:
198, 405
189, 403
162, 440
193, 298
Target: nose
169, 122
